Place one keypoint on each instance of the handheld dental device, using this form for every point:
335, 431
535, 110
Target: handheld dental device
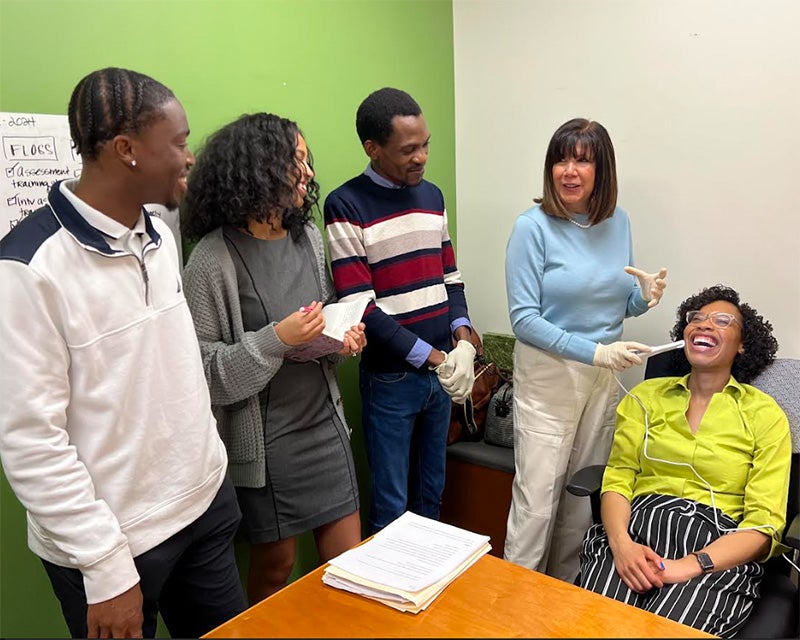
678, 344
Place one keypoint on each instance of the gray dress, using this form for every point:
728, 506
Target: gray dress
311, 478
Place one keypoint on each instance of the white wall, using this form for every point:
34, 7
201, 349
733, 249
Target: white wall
702, 101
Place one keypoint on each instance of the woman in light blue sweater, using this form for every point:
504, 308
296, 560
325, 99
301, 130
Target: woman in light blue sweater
570, 285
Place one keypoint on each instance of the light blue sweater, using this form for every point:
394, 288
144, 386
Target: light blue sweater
566, 287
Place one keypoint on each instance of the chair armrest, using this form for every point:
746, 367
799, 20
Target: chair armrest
792, 535
586, 481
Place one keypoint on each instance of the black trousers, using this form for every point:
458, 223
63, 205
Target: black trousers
191, 578
717, 603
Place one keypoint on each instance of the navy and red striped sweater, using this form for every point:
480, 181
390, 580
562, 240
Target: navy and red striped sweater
392, 245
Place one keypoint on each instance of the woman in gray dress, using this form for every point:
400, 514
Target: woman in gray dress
256, 282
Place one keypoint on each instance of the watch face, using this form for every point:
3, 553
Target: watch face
706, 564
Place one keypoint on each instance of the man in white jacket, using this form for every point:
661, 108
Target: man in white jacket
106, 431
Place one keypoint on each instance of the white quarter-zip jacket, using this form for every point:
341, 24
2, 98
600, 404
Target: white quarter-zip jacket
106, 431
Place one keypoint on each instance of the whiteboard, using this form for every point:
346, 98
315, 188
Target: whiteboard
36, 152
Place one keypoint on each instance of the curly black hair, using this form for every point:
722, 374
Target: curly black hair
760, 346
247, 170
112, 101
375, 113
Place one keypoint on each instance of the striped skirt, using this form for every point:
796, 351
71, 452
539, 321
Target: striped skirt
717, 603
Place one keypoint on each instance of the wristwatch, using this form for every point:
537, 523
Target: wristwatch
705, 561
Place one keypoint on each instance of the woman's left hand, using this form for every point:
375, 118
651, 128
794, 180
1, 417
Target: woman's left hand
354, 341
682, 570
652, 284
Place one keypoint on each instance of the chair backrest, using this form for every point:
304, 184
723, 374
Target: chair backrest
668, 363
781, 380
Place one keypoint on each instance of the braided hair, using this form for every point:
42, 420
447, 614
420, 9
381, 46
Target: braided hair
110, 102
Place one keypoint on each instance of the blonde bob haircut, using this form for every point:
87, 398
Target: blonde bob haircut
594, 143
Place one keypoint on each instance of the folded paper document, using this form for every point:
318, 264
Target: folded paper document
339, 318
407, 564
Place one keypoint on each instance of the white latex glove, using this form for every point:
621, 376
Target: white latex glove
457, 372
618, 355
651, 284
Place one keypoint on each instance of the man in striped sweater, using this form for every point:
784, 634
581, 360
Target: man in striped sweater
388, 241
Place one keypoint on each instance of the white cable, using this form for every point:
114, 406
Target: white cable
785, 556
702, 479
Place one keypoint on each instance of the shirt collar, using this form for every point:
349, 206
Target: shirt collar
379, 179
105, 225
733, 384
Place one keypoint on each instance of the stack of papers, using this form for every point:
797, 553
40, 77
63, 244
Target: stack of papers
407, 564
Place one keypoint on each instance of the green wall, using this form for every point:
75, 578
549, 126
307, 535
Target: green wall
310, 60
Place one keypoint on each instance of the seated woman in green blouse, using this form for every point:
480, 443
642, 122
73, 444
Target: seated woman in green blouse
694, 494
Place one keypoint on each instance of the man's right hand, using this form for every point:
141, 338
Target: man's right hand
119, 617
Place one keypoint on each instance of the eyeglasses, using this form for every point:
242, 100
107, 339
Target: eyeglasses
718, 318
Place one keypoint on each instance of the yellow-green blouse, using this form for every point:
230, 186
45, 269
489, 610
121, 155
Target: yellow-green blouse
742, 448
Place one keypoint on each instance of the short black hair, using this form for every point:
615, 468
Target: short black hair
760, 346
244, 171
375, 113
113, 101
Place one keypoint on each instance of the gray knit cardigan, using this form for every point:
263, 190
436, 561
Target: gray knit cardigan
238, 364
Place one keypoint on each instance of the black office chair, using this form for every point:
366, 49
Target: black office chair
777, 613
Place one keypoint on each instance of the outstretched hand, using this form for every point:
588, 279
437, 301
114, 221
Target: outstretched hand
652, 284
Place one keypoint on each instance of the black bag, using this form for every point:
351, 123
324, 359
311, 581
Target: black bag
500, 417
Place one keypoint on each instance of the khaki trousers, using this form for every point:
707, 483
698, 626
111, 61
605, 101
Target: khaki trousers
564, 414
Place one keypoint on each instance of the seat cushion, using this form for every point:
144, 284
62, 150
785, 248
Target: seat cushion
483, 454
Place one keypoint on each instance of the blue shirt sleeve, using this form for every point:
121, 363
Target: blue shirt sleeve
419, 353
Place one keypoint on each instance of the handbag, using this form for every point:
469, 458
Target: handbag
500, 417
467, 420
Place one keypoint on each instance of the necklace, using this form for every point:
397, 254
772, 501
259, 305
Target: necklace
578, 224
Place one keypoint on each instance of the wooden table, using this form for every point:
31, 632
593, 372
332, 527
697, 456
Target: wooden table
493, 598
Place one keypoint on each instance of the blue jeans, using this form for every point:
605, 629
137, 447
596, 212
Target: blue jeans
405, 417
